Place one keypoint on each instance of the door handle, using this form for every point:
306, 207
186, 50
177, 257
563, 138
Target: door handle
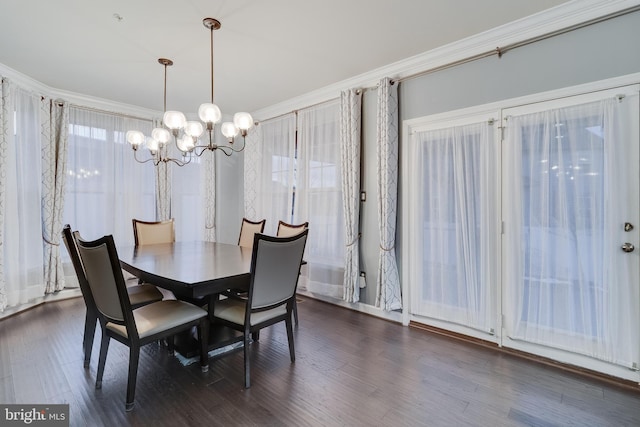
628, 247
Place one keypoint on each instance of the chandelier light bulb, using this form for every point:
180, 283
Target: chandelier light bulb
135, 138
161, 135
152, 145
229, 130
174, 120
185, 143
209, 113
193, 129
243, 121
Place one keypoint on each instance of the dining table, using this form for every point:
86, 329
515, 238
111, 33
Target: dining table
196, 271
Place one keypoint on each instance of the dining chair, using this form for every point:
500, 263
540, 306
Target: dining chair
275, 267
287, 230
247, 230
139, 295
133, 328
153, 232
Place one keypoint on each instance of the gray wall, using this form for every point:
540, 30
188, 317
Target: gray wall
601, 51
229, 195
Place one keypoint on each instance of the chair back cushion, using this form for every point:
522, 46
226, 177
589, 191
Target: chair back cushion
247, 230
72, 249
288, 230
152, 233
102, 281
275, 269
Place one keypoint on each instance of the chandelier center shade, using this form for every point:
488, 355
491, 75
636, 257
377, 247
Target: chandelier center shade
185, 133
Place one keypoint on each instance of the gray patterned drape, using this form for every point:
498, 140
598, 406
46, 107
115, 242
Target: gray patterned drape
210, 198
251, 156
350, 130
4, 145
388, 296
55, 136
163, 187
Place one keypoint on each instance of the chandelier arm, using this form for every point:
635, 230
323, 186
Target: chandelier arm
176, 161
150, 159
224, 148
202, 149
244, 143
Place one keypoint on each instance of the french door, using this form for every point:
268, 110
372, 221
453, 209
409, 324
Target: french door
571, 215
531, 242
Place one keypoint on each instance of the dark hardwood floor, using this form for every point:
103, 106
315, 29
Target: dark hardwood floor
351, 370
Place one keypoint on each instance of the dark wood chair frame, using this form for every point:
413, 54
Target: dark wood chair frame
91, 317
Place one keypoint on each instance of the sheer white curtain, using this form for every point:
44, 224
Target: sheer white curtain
106, 187
318, 197
269, 172
350, 129
21, 219
573, 182
454, 228
388, 296
55, 135
4, 159
189, 185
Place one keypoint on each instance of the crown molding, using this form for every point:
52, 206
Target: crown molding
102, 104
563, 16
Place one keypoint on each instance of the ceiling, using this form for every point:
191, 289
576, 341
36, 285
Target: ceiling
267, 51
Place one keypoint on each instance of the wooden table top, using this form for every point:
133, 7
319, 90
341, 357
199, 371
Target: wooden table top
192, 269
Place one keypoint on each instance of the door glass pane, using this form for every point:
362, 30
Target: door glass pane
455, 221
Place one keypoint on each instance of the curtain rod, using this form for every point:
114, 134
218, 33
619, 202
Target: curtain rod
502, 50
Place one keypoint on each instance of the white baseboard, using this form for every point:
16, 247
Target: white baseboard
393, 316
57, 296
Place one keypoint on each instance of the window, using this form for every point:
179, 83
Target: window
292, 173
105, 186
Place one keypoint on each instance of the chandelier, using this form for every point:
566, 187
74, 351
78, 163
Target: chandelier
186, 134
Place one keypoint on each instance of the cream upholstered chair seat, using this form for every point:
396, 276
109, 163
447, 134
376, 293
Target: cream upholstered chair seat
154, 318
234, 311
143, 294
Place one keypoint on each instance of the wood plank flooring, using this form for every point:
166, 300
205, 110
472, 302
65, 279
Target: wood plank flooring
351, 370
